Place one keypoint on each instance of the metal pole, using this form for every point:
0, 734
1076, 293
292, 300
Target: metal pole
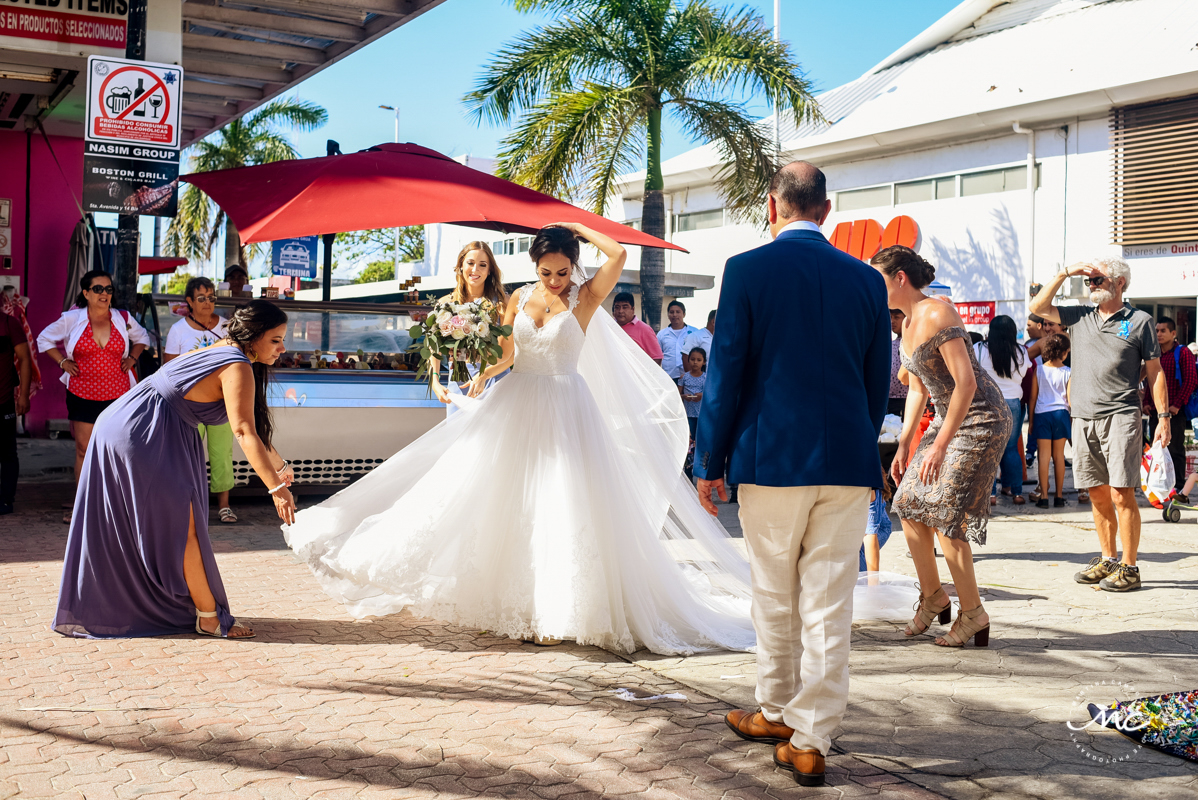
326, 284
395, 259
157, 251
124, 273
777, 112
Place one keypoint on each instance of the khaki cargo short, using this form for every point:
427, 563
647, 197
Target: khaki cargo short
1107, 451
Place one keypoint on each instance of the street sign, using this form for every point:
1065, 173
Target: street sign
131, 142
134, 102
294, 258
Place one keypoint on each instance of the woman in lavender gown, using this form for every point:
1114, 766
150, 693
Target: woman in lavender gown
138, 560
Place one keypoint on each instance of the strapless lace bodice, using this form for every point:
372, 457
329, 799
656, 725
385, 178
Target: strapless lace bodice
551, 350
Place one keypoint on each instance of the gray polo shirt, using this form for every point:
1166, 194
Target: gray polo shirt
1107, 356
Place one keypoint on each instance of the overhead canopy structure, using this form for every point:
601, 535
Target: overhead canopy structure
387, 186
236, 55
240, 55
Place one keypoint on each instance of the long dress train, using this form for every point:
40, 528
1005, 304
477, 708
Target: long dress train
555, 507
142, 476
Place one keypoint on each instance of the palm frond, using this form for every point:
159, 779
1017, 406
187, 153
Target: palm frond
187, 234
302, 115
745, 146
559, 139
735, 50
537, 64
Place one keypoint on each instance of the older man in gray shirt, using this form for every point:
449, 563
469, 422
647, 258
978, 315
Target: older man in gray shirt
1112, 342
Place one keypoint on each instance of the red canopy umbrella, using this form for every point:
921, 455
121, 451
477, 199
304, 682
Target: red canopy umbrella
387, 186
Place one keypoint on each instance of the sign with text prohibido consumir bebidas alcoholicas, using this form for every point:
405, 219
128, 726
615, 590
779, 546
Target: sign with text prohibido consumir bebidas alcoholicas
131, 152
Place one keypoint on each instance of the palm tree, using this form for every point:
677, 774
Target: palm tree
590, 89
242, 143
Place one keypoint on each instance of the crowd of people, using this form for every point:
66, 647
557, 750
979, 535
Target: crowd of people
801, 446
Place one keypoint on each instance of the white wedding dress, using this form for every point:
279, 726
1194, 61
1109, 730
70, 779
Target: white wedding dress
555, 506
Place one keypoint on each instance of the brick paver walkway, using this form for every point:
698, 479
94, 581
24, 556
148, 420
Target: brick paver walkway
321, 706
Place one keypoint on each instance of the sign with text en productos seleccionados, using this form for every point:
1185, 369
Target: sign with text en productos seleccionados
131, 140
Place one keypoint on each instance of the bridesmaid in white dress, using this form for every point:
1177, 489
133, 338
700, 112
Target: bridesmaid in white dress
478, 277
579, 524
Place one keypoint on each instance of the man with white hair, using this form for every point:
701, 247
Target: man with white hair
1111, 342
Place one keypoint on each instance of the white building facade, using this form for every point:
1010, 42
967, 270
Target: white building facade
1101, 96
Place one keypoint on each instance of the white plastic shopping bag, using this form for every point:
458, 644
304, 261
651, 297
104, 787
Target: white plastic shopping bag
1157, 477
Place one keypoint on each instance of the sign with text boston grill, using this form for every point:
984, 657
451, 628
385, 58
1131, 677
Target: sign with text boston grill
131, 147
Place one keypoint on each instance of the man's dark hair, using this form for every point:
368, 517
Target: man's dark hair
676, 303
1167, 322
710, 316
235, 268
799, 189
624, 297
1036, 318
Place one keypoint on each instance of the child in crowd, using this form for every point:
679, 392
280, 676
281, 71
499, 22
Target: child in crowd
1050, 424
877, 529
690, 386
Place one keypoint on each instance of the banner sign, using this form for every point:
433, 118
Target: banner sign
126, 184
131, 139
90, 23
294, 258
976, 313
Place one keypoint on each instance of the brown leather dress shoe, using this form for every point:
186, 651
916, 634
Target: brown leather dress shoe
752, 726
807, 765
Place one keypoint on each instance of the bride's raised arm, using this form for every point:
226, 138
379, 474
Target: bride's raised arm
596, 290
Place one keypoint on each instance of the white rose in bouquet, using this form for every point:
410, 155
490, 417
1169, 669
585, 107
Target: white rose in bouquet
443, 317
483, 330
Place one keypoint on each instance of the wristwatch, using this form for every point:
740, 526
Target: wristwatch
1164, 414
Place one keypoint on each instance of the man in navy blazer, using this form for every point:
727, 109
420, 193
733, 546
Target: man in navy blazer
795, 397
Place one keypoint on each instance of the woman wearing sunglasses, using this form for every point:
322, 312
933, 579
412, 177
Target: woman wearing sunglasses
96, 349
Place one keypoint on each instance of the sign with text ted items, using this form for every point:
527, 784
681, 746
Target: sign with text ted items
64, 26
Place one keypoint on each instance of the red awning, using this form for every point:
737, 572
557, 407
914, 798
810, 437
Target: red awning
387, 186
158, 265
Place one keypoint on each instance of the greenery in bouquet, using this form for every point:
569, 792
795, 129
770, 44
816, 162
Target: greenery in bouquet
460, 334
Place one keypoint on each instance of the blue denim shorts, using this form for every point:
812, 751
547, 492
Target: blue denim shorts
1051, 425
878, 524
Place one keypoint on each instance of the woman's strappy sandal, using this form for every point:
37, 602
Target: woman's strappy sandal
926, 613
966, 628
227, 516
217, 633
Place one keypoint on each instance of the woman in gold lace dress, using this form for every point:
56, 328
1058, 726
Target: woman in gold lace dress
945, 489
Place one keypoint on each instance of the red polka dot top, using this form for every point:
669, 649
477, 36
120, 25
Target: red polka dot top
100, 375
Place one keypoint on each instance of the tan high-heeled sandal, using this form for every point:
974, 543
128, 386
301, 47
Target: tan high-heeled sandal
966, 628
926, 612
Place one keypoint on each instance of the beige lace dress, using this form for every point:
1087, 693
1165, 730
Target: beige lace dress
958, 503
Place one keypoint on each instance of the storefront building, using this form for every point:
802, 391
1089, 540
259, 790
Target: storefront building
1017, 137
235, 58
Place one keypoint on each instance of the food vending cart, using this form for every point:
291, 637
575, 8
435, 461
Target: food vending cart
333, 423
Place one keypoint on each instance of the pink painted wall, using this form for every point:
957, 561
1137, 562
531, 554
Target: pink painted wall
53, 213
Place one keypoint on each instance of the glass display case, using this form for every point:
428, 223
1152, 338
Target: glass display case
344, 397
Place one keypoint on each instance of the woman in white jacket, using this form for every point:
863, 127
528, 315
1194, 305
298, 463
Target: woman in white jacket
96, 348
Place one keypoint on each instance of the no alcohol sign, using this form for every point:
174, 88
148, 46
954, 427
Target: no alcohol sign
131, 152
134, 102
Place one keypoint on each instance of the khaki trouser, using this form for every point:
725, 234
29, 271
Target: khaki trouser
803, 544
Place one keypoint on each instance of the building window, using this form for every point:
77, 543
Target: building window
914, 192
635, 224
946, 187
1154, 151
523, 244
698, 220
863, 198
1011, 179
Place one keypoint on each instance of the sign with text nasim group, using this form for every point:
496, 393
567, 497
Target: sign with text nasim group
131, 147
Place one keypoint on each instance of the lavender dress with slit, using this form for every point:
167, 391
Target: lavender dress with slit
143, 473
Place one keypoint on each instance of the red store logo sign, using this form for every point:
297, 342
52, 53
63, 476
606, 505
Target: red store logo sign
863, 238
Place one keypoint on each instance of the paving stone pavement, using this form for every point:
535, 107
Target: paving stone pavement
321, 706
991, 724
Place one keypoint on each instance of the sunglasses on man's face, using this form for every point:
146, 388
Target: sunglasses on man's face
1097, 280
101, 289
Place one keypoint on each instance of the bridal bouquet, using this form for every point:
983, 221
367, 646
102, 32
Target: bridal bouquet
460, 333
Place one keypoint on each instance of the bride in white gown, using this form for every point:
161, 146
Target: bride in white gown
555, 507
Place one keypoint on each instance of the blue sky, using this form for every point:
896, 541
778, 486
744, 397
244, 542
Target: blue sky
426, 67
